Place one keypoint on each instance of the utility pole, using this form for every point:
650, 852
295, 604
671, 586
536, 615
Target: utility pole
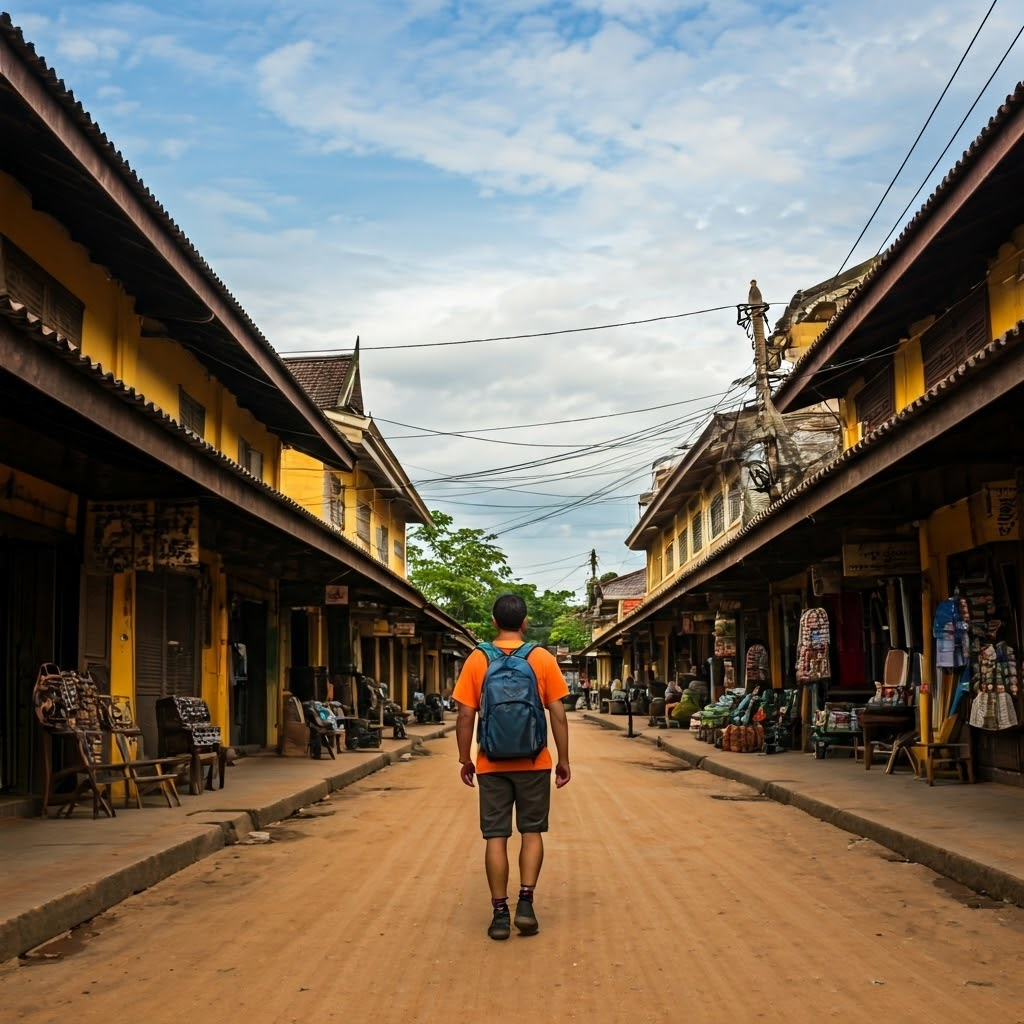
752, 317
757, 311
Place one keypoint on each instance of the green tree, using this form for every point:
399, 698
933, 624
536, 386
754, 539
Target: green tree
458, 570
570, 629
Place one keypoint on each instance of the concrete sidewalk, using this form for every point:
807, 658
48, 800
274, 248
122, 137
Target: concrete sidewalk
56, 874
971, 834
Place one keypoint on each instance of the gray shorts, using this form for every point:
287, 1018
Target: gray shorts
530, 794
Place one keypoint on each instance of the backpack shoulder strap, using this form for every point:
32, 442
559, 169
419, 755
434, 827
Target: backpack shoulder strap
524, 650
489, 650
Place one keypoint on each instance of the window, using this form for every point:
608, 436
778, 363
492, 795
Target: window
399, 549
716, 514
682, 542
955, 336
249, 458
735, 502
670, 564
363, 522
697, 530
876, 401
334, 500
655, 570
191, 414
382, 544
25, 281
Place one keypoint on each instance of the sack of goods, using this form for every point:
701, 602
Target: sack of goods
743, 739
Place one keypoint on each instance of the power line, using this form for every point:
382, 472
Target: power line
928, 120
515, 337
952, 139
430, 432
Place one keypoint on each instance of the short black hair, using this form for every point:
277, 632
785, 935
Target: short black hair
509, 611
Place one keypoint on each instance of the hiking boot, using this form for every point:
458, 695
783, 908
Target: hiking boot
526, 919
501, 924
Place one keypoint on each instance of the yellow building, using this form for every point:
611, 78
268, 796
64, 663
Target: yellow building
144, 532
371, 505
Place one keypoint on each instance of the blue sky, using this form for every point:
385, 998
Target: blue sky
423, 172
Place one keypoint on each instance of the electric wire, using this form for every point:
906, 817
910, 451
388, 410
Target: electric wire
952, 139
910, 151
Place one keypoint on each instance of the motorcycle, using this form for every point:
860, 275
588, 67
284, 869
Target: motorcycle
428, 707
381, 708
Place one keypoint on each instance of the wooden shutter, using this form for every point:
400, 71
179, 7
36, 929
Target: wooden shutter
954, 337
876, 401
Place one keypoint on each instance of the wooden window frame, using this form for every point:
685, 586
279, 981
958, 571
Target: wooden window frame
191, 413
955, 337
876, 401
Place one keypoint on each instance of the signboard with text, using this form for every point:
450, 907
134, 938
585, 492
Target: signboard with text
881, 558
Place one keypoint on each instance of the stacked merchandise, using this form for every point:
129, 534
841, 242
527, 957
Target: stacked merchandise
992, 663
812, 661
725, 647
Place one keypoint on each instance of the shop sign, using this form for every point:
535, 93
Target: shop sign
335, 593
404, 629
629, 603
142, 535
995, 512
881, 558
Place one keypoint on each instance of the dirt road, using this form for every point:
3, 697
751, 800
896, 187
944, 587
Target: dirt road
667, 894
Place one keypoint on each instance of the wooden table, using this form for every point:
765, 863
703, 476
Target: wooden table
883, 721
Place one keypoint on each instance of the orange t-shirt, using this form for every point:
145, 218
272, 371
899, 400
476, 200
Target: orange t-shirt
550, 683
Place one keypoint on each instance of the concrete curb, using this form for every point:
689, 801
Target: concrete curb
67, 910
976, 875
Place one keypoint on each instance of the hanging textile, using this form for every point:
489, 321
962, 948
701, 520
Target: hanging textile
756, 668
813, 638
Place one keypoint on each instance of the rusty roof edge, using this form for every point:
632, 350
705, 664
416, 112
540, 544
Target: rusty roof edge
661, 596
33, 326
90, 130
1012, 105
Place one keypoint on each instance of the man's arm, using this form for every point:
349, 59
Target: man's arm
464, 737
560, 733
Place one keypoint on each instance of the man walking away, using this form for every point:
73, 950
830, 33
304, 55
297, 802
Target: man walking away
520, 782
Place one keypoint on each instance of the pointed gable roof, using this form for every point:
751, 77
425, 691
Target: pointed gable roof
333, 382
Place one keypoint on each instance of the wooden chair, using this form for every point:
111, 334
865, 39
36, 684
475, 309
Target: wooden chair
144, 774
949, 754
91, 773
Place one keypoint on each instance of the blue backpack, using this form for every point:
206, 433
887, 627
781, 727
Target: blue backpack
512, 722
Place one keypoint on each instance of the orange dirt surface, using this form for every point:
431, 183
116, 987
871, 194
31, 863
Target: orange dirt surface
667, 894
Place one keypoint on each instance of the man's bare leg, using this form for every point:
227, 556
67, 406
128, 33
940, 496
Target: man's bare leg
496, 865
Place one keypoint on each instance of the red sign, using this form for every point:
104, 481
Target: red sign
629, 603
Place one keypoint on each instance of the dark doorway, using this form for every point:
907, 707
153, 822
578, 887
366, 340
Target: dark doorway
38, 607
166, 644
248, 647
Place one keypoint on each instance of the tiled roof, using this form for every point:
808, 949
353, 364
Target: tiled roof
323, 379
633, 584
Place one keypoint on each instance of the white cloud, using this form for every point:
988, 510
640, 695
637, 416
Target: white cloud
416, 171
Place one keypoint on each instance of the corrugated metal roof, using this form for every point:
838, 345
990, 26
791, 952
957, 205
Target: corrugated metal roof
1009, 109
38, 332
36, 154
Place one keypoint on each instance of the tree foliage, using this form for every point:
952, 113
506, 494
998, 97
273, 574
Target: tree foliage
456, 569
570, 629
464, 572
